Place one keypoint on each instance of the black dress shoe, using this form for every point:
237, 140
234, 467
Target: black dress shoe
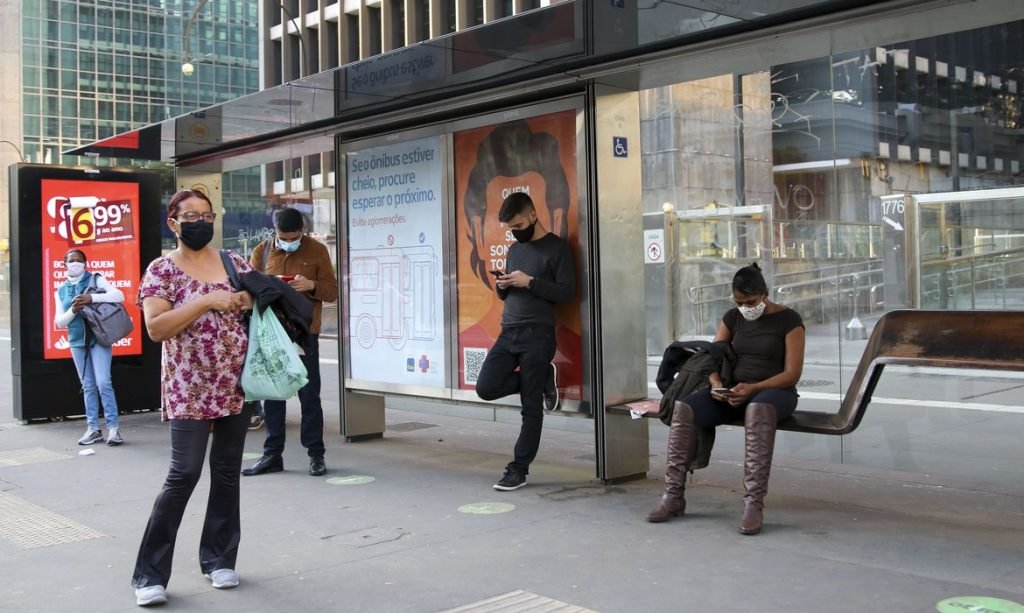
266, 464
317, 466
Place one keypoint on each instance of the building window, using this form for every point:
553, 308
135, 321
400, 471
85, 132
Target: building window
374, 34
447, 16
422, 20
353, 37
397, 24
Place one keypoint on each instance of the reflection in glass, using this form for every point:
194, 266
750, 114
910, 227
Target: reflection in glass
806, 167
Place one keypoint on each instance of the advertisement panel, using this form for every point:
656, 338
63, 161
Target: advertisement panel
536, 156
396, 291
101, 218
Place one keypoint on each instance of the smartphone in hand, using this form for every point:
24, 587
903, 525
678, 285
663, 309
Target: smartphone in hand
496, 273
287, 278
721, 390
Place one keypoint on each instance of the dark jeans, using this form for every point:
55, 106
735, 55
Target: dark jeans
708, 412
222, 530
311, 431
531, 349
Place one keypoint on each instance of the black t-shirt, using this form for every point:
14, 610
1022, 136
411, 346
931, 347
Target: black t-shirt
760, 345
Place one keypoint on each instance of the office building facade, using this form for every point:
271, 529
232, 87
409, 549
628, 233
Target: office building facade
94, 69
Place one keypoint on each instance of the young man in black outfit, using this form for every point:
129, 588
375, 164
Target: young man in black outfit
539, 273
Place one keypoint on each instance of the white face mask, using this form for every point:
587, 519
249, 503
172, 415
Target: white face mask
75, 269
752, 313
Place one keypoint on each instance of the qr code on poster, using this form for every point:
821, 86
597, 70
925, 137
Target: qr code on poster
472, 362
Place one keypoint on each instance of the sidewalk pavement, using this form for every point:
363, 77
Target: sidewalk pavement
387, 528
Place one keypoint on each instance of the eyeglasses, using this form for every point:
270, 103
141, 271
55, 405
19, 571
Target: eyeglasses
190, 216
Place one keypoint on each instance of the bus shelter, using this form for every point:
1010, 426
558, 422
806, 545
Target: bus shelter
664, 155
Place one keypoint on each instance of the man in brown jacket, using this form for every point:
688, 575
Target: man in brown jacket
305, 264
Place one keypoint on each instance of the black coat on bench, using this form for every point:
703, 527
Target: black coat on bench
684, 369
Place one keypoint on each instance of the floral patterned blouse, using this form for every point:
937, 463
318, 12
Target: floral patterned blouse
202, 365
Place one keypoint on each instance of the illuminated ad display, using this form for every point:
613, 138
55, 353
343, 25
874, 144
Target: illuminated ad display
395, 243
536, 156
100, 218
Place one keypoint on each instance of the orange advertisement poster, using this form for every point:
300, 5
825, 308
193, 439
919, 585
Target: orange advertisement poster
101, 218
537, 156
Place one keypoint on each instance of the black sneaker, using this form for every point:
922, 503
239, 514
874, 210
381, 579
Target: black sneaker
552, 402
512, 480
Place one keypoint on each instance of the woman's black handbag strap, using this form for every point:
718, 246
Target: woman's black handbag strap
229, 266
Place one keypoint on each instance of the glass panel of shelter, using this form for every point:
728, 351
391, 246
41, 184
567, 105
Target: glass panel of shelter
821, 142
253, 194
972, 253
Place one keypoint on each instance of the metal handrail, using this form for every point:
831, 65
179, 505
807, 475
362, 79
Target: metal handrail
720, 291
975, 256
997, 261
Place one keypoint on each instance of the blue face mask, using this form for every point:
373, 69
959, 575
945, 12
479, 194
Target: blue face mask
289, 246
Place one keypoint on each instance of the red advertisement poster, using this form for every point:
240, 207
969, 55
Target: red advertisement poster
101, 219
537, 156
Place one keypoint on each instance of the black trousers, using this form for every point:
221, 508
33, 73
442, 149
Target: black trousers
311, 430
708, 412
222, 530
530, 349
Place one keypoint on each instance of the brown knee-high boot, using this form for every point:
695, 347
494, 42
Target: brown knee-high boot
760, 423
682, 447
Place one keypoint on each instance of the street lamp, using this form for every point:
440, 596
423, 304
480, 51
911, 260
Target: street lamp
21, 156
187, 68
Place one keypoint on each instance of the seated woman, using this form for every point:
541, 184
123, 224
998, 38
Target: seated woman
768, 339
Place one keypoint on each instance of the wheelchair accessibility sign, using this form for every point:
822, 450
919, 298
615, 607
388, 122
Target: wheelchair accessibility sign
620, 147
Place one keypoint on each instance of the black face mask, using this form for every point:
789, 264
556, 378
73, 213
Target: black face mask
524, 235
195, 234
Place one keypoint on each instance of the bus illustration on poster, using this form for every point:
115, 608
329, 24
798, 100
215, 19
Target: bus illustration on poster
393, 295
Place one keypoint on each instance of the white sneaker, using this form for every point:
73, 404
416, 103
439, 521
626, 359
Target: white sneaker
150, 595
114, 437
223, 578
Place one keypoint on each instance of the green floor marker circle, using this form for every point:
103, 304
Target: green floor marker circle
978, 604
351, 480
486, 508
252, 456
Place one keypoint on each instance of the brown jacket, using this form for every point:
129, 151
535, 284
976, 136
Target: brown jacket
312, 261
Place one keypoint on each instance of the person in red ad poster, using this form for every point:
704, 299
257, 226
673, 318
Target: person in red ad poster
191, 308
539, 274
92, 360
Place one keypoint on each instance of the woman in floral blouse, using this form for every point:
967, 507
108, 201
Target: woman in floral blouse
191, 307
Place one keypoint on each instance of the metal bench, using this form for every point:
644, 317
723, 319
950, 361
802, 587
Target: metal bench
988, 340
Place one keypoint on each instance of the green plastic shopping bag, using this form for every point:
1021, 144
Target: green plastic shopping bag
273, 369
